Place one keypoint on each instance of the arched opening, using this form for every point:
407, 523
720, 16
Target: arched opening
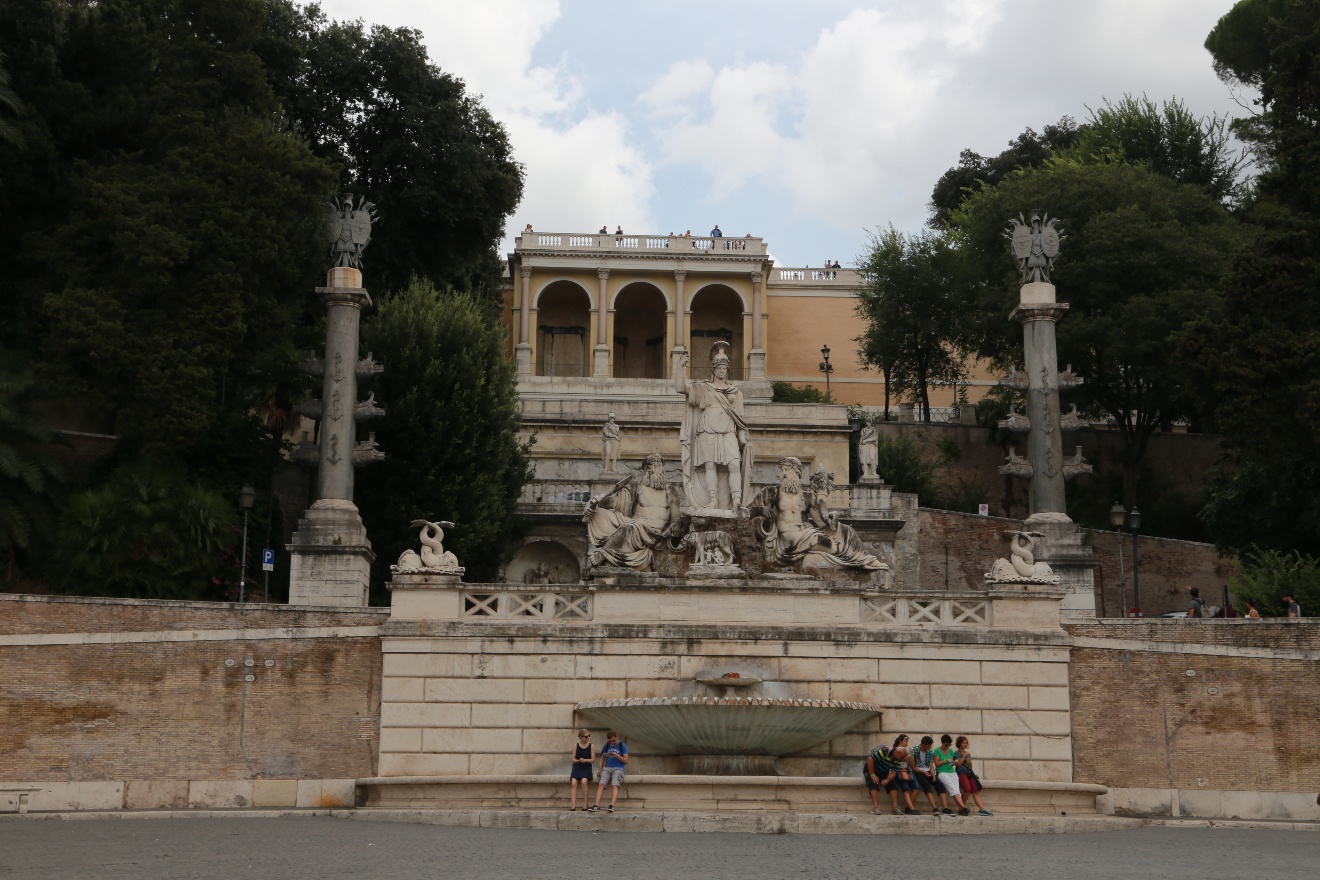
717, 313
639, 332
543, 562
563, 322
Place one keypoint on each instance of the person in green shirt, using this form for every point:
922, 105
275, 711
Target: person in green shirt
946, 773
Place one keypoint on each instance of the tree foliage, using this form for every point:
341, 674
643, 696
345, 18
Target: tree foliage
149, 533
1266, 576
1167, 138
451, 430
787, 392
29, 477
438, 166
915, 308
1257, 359
1141, 260
974, 171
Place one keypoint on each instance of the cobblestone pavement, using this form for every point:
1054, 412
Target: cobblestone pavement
331, 849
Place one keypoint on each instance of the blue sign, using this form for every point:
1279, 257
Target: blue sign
268, 560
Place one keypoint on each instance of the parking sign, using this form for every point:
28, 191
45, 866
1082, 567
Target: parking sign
268, 560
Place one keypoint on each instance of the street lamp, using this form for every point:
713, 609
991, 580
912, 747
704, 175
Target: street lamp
826, 367
246, 498
1117, 516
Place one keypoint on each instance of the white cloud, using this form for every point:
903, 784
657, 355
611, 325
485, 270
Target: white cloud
582, 167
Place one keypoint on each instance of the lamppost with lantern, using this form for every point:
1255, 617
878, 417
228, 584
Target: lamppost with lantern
246, 498
826, 367
1118, 516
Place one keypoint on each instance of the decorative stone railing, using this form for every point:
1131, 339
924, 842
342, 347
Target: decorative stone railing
570, 496
907, 611
543, 605
681, 244
846, 277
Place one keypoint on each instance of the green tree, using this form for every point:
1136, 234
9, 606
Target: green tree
1167, 138
148, 533
437, 165
29, 477
1266, 576
915, 308
8, 102
1141, 260
1257, 359
451, 428
787, 392
974, 171
168, 213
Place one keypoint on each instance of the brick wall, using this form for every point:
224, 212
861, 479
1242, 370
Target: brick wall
104, 689
1197, 706
958, 548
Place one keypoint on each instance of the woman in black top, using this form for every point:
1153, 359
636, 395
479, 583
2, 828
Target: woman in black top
584, 754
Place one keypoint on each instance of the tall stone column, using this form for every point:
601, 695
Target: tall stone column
1038, 312
523, 350
756, 357
680, 324
601, 354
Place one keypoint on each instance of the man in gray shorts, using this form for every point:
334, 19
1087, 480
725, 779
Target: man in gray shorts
613, 758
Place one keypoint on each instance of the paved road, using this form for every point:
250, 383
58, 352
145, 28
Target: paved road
337, 849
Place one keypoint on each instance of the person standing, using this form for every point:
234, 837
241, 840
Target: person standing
1252, 612
613, 760
1196, 608
968, 782
715, 233
1293, 609
584, 755
946, 774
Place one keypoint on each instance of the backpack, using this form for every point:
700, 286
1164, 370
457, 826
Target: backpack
1198, 608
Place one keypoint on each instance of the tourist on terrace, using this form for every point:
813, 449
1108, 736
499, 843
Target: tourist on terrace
1252, 612
968, 782
604, 230
613, 758
1294, 610
946, 774
1196, 608
715, 233
618, 230
527, 228
584, 755
920, 760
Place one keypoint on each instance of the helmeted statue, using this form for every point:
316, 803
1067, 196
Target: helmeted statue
346, 225
1035, 244
714, 436
798, 528
625, 524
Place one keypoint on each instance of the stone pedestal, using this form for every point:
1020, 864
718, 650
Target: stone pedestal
331, 556
600, 362
522, 353
756, 365
870, 493
425, 595
1072, 560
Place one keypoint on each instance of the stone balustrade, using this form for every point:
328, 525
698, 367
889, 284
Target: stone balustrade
687, 246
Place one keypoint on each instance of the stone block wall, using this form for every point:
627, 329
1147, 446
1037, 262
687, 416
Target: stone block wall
955, 550
1199, 718
111, 703
498, 699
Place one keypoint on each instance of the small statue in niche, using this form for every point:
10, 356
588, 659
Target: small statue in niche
868, 452
798, 528
625, 524
609, 453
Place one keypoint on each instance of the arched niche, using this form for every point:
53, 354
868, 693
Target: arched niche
639, 332
717, 313
537, 560
563, 324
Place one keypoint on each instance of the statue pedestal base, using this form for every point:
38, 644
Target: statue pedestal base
714, 572
1061, 545
331, 557
871, 494
522, 353
600, 362
613, 576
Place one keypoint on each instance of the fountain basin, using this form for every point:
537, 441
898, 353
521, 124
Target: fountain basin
733, 726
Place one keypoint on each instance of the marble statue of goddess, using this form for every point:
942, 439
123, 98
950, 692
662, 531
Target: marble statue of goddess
714, 435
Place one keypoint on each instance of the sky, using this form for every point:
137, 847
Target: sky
808, 124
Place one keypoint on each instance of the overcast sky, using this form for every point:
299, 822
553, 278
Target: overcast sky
806, 123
